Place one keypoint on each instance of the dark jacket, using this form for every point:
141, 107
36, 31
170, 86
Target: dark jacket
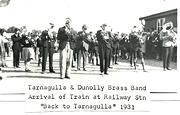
116, 43
82, 41
26, 42
46, 40
63, 37
134, 42
16, 39
124, 44
39, 43
102, 42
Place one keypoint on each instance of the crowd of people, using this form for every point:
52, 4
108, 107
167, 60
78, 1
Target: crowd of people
103, 48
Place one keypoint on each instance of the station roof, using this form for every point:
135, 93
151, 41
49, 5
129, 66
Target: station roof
173, 11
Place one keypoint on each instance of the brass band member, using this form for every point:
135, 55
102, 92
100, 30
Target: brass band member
168, 37
48, 48
93, 50
16, 47
82, 47
135, 44
104, 49
66, 46
116, 41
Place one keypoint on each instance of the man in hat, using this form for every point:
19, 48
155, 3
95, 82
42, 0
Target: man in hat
82, 47
135, 44
16, 47
48, 41
66, 46
115, 46
93, 50
168, 37
104, 49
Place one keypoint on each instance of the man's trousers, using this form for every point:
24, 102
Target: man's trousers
104, 54
65, 57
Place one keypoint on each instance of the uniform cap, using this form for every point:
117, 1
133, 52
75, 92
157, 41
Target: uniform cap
51, 24
68, 20
103, 25
84, 26
168, 25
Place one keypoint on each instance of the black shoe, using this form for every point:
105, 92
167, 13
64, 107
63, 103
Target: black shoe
84, 69
43, 72
27, 70
0, 78
78, 68
73, 66
52, 71
67, 77
169, 69
101, 73
145, 71
106, 73
5, 65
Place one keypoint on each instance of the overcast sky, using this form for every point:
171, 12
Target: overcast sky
121, 15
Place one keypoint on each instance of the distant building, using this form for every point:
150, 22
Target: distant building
156, 21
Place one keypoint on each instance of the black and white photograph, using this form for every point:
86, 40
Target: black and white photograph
92, 56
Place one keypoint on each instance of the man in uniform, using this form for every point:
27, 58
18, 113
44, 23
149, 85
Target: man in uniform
115, 48
48, 41
93, 50
168, 37
110, 41
16, 47
82, 47
66, 46
104, 49
135, 41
